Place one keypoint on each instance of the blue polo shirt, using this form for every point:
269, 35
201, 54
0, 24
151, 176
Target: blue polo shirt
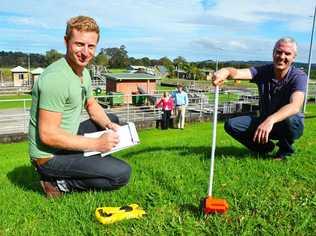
274, 94
180, 99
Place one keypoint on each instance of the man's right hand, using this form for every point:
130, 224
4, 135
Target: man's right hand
107, 141
220, 76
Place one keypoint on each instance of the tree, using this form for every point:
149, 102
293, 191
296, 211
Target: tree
180, 62
165, 61
145, 61
101, 59
118, 57
193, 71
52, 55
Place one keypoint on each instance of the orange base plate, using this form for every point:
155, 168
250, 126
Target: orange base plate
214, 205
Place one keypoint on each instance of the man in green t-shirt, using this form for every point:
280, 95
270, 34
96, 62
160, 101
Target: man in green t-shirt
56, 141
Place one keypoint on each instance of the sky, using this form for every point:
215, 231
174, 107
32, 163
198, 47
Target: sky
194, 29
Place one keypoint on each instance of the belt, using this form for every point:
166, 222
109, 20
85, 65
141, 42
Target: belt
40, 161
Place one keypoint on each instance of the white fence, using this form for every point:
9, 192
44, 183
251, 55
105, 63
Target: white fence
134, 108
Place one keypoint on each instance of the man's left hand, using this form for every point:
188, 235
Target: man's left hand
263, 131
112, 126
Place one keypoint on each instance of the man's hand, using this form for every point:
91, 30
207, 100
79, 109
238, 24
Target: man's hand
263, 131
220, 76
113, 126
107, 141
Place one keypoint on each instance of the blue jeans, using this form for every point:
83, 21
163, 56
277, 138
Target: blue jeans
243, 128
81, 173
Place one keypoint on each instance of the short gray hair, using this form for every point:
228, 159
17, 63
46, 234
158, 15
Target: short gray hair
286, 40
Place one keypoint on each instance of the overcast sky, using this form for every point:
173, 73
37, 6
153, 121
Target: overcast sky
194, 29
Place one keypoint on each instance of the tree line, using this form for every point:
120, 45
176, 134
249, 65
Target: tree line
117, 57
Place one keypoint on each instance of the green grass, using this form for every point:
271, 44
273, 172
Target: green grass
15, 104
117, 71
169, 178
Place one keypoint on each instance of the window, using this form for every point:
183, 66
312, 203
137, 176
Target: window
21, 76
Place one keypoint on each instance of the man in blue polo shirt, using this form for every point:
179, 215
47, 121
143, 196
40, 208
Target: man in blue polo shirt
181, 101
281, 91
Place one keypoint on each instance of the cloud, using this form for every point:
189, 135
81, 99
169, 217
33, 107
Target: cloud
192, 28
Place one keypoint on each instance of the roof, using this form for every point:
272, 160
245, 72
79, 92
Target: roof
19, 69
180, 71
137, 67
131, 76
162, 69
37, 71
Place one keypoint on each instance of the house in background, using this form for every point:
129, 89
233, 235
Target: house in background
35, 74
141, 69
131, 83
207, 73
20, 76
181, 74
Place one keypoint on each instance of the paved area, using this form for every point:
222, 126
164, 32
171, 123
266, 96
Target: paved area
14, 120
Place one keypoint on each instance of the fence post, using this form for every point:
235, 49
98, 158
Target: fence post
201, 107
25, 116
127, 115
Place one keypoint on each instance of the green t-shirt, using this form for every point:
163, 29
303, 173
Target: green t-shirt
58, 89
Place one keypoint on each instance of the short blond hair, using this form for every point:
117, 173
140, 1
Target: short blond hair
82, 23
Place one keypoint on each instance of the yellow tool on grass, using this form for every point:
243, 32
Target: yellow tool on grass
109, 215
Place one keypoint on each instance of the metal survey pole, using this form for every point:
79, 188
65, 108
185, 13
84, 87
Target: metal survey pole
309, 61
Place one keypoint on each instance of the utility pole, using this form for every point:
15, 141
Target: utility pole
309, 61
29, 69
1, 78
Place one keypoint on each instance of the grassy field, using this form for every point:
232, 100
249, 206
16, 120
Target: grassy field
117, 71
14, 103
170, 177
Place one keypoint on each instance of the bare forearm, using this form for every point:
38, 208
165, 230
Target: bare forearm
58, 138
229, 72
296, 102
98, 115
284, 112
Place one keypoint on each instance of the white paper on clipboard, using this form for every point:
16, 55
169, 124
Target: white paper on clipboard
128, 137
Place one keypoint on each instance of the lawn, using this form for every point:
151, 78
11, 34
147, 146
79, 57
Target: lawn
16, 101
117, 71
170, 176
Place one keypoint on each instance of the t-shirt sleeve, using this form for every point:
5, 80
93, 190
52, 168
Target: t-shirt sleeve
300, 82
53, 95
257, 73
89, 85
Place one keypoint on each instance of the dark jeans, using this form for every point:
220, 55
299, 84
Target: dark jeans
242, 128
84, 173
165, 119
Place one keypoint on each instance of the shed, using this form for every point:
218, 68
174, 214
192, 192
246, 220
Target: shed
128, 84
20, 76
207, 73
36, 73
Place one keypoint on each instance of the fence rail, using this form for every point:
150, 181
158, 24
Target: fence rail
135, 108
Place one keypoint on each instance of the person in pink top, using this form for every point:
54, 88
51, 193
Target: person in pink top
167, 105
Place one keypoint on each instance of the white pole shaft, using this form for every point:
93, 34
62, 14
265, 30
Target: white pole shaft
210, 188
309, 61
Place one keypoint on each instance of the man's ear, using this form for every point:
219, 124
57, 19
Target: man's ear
66, 40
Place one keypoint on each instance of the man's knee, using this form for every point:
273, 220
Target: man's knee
117, 180
123, 175
228, 126
294, 127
